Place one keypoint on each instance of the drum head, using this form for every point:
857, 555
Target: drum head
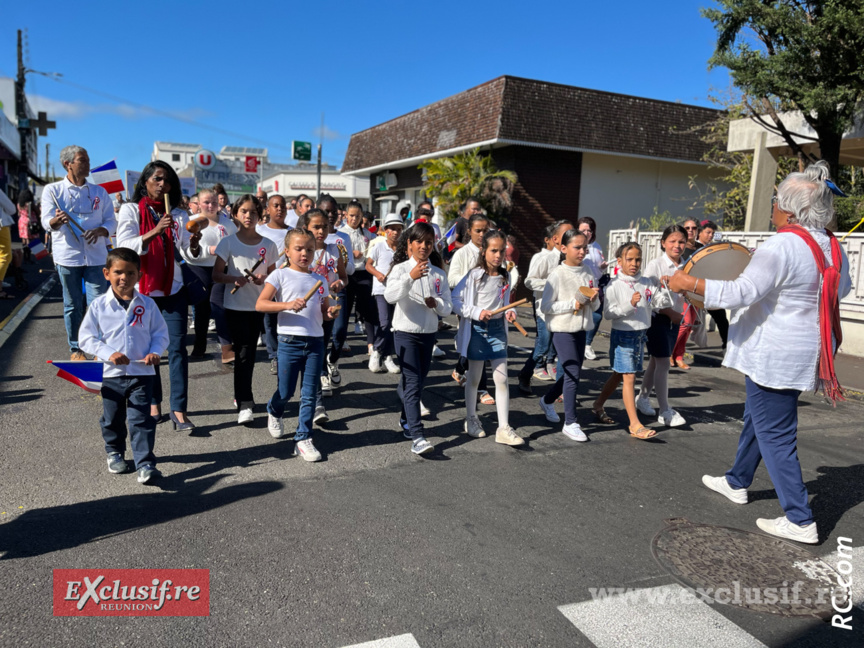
722, 261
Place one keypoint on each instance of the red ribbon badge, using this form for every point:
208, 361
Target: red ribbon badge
590, 283
438, 285
138, 313
504, 289
262, 252
222, 231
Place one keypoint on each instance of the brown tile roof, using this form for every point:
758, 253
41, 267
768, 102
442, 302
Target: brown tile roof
511, 109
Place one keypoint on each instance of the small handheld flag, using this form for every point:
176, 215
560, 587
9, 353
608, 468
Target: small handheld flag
450, 238
37, 249
108, 177
87, 375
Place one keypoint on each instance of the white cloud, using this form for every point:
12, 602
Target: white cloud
327, 132
59, 109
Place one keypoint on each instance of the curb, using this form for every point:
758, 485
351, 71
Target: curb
9, 325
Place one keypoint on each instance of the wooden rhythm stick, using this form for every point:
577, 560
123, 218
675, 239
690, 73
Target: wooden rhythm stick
590, 293
167, 206
512, 305
520, 328
195, 225
248, 273
313, 290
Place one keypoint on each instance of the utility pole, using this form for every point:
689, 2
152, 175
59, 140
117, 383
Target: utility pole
21, 113
47, 148
320, 139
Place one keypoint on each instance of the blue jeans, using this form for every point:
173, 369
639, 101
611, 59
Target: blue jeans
770, 432
270, 334
542, 348
298, 354
340, 324
175, 310
71, 278
127, 398
598, 317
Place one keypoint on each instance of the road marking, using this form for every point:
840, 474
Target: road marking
9, 325
401, 641
655, 616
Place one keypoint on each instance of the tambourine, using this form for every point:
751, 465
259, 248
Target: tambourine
721, 261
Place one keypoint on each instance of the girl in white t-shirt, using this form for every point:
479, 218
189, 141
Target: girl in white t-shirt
329, 263
244, 259
378, 262
482, 336
301, 337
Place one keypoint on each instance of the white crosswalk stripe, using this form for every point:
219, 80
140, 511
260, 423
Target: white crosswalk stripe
657, 616
400, 641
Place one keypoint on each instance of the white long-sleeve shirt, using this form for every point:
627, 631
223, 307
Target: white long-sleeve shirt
561, 295
411, 314
620, 309
541, 266
774, 332
88, 205
129, 236
472, 296
660, 267
108, 328
463, 261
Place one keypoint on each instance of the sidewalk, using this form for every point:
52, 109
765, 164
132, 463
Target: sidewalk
34, 279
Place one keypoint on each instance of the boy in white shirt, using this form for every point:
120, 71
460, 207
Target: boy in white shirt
126, 330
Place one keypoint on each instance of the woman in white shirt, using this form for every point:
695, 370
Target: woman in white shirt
775, 340
159, 238
595, 262
202, 257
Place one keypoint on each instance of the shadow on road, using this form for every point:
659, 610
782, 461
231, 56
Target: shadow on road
42, 531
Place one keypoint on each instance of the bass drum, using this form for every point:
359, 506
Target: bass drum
722, 261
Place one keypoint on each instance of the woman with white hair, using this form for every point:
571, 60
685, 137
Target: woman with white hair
784, 332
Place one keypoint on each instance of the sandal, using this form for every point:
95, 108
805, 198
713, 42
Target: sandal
682, 365
643, 433
602, 417
486, 399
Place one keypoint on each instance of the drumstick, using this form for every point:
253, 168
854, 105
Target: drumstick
504, 308
520, 328
249, 273
313, 290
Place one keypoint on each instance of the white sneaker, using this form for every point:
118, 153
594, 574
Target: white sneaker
275, 426
720, 485
507, 435
307, 450
783, 528
333, 372
573, 431
375, 362
437, 352
345, 347
474, 428
245, 416
424, 411
320, 415
644, 406
589, 353
671, 418
391, 366
211, 326
421, 446
326, 386
549, 411
261, 341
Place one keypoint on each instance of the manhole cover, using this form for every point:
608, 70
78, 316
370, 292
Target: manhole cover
748, 570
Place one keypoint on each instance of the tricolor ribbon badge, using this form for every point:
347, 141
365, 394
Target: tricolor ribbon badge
590, 283
331, 264
96, 203
438, 285
262, 252
222, 231
138, 313
648, 295
504, 290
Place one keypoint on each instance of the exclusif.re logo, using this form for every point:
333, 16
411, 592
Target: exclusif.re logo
131, 592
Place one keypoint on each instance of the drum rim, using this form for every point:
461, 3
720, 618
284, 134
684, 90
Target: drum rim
710, 249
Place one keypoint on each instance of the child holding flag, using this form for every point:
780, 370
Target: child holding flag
126, 331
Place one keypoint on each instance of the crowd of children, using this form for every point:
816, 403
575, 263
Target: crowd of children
297, 285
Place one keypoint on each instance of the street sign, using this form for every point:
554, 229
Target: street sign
251, 164
205, 159
301, 150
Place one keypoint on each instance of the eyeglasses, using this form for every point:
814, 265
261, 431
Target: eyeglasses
691, 228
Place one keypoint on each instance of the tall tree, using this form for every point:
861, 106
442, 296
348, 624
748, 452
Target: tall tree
453, 180
798, 55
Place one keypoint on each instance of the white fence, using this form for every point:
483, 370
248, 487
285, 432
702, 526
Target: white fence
850, 308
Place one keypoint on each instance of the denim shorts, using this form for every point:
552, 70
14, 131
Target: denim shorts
626, 351
662, 336
488, 340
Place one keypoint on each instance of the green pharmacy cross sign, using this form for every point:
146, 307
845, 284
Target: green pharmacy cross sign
301, 150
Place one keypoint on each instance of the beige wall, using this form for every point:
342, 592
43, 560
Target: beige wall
616, 190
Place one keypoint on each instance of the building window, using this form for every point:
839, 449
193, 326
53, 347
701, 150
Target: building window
175, 157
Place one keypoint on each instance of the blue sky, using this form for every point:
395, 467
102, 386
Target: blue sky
266, 71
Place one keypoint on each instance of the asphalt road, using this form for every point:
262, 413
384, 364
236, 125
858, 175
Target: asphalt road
477, 545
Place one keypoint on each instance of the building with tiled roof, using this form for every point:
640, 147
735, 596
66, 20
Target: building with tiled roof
577, 152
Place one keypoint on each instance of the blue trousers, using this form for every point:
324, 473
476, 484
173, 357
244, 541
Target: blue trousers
571, 355
542, 348
415, 358
598, 317
270, 334
358, 295
298, 354
770, 433
128, 398
175, 310
71, 279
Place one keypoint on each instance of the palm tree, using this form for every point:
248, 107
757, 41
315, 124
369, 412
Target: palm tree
453, 180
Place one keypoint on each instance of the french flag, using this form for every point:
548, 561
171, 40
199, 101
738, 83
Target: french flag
108, 177
37, 249
450, 238
87, 375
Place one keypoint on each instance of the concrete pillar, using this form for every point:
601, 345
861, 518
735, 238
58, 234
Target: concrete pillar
761, 187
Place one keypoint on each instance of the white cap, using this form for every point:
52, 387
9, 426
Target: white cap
392, 219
